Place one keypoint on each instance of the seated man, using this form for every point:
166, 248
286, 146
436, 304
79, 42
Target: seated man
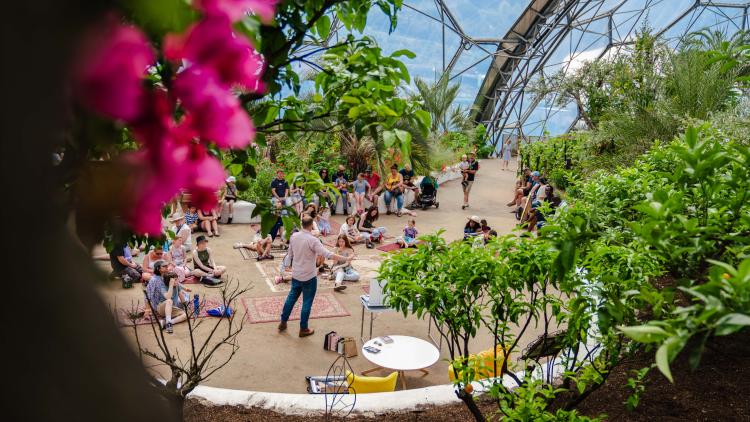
162, 296
280, 189
203, 261
121, 260
408, 174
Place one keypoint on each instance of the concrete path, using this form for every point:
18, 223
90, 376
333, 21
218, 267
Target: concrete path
269, 361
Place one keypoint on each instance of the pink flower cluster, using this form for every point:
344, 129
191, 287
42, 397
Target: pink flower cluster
212, 61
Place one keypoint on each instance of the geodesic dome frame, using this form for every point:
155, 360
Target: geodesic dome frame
556, 34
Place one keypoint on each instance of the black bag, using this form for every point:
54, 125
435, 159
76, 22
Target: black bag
211, 281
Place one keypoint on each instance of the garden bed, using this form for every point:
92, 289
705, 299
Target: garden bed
715, 391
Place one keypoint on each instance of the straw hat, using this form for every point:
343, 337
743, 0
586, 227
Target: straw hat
475, 219
176, 216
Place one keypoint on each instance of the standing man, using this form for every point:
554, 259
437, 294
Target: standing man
280, 189
470, 172
303, 250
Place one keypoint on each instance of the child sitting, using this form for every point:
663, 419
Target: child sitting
410, 235
464, 165
322, 219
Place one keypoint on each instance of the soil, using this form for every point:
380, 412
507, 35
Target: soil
715, 391
198, 412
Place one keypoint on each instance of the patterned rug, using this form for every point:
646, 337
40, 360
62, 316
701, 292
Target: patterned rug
268, 309
367, 267
123, 319
389, 247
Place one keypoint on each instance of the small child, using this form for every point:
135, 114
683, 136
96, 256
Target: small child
322, 219
464, 165
410, 235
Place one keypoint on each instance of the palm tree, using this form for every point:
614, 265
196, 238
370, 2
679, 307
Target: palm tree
438, 98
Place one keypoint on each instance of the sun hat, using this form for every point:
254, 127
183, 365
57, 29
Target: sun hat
176, 216
231, 179
475, 219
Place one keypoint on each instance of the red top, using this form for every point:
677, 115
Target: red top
373, 180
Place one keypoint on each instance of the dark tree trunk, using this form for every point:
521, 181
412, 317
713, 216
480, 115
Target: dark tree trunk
468, 400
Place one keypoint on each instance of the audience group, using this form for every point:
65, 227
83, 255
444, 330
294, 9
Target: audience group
533, 189
166, 267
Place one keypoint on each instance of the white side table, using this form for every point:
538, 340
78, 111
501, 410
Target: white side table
404, 354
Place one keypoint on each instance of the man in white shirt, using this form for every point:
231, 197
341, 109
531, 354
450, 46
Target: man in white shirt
303, 250
181, 229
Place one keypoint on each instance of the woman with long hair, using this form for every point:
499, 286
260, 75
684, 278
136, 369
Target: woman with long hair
343, 270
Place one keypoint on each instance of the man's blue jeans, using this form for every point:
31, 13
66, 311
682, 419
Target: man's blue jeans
307, 289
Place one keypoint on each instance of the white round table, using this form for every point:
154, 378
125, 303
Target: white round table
404, 354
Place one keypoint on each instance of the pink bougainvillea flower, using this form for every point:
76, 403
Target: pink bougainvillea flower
215, 113
211, 43
110, 72
236, 9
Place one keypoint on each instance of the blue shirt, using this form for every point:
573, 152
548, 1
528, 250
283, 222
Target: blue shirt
155, 290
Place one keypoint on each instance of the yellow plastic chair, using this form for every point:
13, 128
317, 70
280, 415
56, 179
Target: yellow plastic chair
482, 363
362, 385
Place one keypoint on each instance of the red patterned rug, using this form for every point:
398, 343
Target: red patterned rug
268, 309
389, 247
123, 314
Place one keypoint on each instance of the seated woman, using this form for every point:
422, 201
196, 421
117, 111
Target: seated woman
394, 188
322, 220
410, 235
366, 225
473, 227
209, 221
154, 255
203, 261
343, 270
229, 196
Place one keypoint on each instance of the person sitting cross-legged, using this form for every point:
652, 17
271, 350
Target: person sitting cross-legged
123, 266
203, 262
350, 230
410, 235
162, 295
342, 269
367, 225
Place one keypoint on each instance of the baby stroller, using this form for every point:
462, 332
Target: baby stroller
428, 197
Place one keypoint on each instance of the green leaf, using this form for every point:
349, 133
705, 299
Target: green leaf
389, 138
644, 333
424, 118
662, 361
350, 100
323, 26
404, 52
